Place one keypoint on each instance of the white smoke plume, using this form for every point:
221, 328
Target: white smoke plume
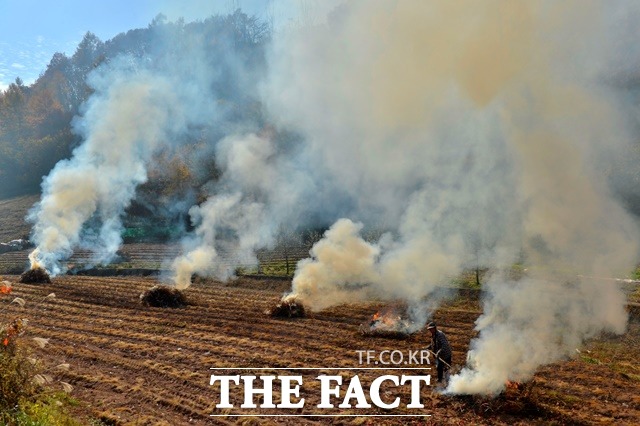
214, 255
132, 113
533, 322
344, 267
208, 252
242, 213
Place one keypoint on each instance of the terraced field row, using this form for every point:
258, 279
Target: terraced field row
137, 365
279, 261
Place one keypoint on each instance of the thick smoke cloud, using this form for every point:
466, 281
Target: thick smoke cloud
482, 133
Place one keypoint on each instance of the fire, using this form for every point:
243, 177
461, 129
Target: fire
389, 322
16, 328
33, 259
5, 288
513, 385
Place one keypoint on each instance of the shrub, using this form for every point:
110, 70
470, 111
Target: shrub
26, 394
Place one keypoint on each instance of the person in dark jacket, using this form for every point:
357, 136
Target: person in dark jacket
441, 349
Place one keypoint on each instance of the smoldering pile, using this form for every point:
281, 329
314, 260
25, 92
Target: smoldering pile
287, 307
390, 323
161, 296
516, 399
35, 276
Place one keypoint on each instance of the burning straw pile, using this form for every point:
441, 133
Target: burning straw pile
287, 307
161, 296
388, 323
35, 276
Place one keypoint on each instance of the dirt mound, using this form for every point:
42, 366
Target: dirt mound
287, 308
35, 276
161, 296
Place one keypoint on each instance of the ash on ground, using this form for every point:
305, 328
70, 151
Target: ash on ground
35, 276
161, 296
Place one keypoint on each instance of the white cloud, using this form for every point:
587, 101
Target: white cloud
18, 66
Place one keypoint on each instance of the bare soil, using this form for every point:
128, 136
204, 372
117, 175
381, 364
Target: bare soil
137, 365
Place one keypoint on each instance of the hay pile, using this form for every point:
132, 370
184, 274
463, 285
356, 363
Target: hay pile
367, 331
287, 308
161, 296
35, 276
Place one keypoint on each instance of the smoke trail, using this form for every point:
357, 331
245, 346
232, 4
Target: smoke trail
226, 212
211, 254
132, 113
246, 206
344, 267
570, 222
342, 264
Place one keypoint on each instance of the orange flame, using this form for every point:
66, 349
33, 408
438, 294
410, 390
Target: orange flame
388, 319
513, 385
16, 328
5, 289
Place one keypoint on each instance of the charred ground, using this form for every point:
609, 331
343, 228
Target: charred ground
132, 364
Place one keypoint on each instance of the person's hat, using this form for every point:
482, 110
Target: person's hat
431, 325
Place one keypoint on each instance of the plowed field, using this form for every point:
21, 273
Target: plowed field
132, 364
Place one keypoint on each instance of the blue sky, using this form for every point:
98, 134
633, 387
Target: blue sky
31, 31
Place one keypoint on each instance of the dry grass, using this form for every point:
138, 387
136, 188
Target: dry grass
30, 393
16, 372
